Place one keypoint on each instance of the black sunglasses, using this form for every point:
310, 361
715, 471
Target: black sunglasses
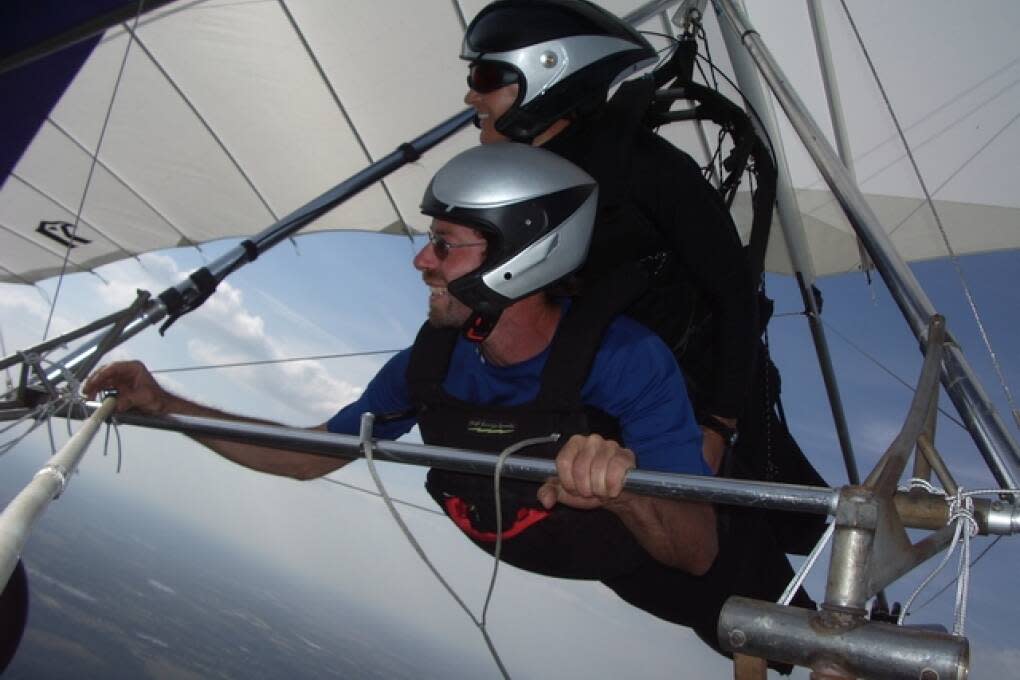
486, 76
442, 247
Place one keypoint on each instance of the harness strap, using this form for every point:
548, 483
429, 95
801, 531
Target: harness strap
460, 511
578, 337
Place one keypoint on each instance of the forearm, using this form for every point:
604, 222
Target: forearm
679, 534
274, 461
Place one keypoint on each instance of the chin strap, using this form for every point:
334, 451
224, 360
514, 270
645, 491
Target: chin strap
479, 325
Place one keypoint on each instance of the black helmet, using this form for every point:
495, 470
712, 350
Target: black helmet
566, 54
535, 209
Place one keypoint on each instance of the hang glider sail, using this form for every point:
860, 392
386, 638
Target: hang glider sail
210, 119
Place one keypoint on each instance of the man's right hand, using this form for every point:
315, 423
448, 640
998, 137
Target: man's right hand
136, 387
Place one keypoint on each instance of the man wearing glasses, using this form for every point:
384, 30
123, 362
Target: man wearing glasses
510, 223
539, 72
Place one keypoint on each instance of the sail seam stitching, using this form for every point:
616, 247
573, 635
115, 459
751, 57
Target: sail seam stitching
205, 123
80, 220
938, 219
148, 204
343, 111
92, 168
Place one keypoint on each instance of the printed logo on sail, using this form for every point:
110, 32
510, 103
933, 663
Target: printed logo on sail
61, 232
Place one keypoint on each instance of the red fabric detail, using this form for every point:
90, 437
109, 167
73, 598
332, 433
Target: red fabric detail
457, 509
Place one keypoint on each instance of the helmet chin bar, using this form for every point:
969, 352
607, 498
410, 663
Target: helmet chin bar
486, 306
480, 324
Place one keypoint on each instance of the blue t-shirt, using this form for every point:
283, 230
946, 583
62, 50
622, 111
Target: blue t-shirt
634, 378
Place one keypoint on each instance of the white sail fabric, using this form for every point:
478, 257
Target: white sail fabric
230, 114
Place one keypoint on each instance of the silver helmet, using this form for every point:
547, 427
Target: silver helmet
564, 55
535, 209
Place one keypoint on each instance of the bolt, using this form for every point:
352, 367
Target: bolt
737, 639
929, 674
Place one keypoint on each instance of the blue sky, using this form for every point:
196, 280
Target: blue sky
354, 292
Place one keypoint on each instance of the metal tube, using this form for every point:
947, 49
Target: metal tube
21, 513
154, 312
816, 12
648, 10
839, 130
92, 27
238, 256
863, 649
63, 339
997, 446
766, 495
14, 412
857, 519
884, 477
288, 225
793, 231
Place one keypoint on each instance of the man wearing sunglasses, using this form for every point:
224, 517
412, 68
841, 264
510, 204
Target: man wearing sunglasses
510, 223
539, 72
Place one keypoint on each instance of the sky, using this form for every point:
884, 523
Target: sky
313, 528
333, 293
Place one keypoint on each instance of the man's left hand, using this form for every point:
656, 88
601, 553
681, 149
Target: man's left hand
591, 472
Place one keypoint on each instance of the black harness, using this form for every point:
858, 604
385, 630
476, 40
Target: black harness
445, 420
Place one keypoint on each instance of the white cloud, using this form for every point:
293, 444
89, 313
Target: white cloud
225, 329
29, 311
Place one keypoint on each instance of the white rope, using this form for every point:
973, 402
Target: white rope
41, 414
367, 450
507, 452
809, 563
961, 512
931, 576
920, 483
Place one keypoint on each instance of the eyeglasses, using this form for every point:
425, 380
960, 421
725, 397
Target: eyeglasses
486, 76
442, 247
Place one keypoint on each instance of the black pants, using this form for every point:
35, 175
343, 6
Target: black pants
595, 545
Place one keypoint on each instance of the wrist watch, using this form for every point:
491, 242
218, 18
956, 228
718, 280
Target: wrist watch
729, 434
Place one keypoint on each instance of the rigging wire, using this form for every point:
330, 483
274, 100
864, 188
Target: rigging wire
355, 487
938, 109
958, 170
760, 129
922, 142
92, 168
708, 57
938, 219
261, 362
882, 366
948, 585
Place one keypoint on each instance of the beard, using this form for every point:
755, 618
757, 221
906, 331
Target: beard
446, 311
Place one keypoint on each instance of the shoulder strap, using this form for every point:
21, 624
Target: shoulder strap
610, 153
430, 361
580, 333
